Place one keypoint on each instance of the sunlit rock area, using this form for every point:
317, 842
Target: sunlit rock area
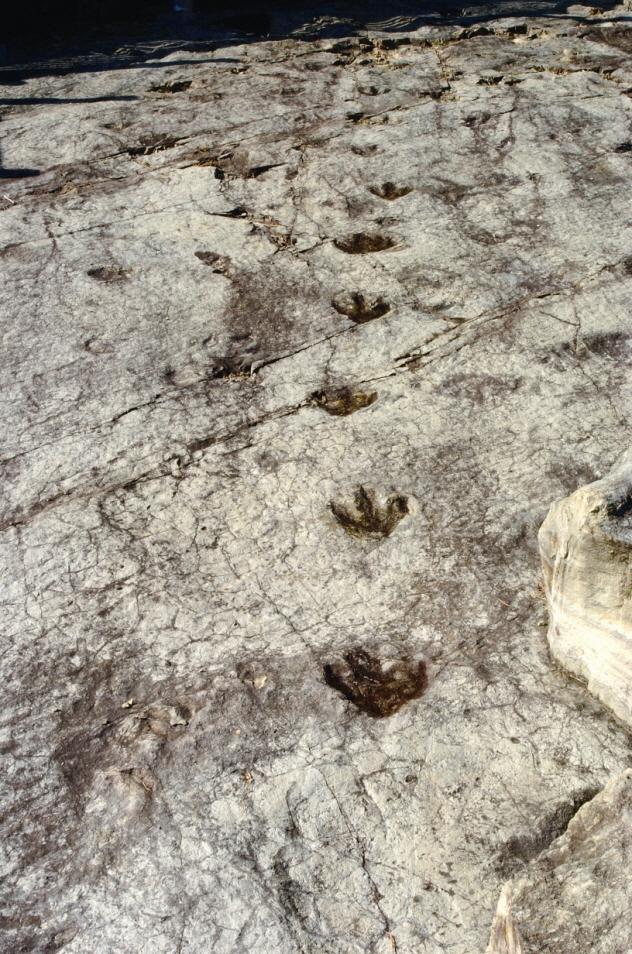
586, 545
305, 328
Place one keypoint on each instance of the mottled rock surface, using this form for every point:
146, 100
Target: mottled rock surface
301, 338
505, 938
576, 896
586, 545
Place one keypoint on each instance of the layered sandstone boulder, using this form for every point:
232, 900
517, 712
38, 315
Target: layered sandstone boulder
586, 547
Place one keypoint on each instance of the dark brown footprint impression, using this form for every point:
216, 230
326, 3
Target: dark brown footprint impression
219, 263
178, 86
362, 243
364, 151
377, 688
359, 308
390, 191
109, 273
341, 402
373, 90
365, 517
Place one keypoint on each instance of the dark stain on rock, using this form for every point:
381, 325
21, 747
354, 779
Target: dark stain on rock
150, 144
480, 388
359, 308
623, 147
376, 688
451, 192
219, 263
109, 273
390, 191
255, 171
239, 212
477, 119
620, 38
231, 165
365, 517
610, 344
362, 243
364, 151
373, 90
626, 266
620, 506
340, 402
178, 86
571, 474
520, 849
392, 43
235, 367
266, 307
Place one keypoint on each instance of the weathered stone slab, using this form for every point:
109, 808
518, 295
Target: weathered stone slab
586, 546
274, 671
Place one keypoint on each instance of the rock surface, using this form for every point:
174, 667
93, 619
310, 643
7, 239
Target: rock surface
301, 337
505, 938
576, 896
586, 546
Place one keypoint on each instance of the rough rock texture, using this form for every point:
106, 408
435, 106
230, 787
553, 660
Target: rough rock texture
576, 896
505, 938
586, 545
244, 502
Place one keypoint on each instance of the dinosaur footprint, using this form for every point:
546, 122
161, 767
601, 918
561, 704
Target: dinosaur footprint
374, 687
366, 517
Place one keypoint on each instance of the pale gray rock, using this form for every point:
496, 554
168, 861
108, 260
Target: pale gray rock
199, 377
576, 895
586, 547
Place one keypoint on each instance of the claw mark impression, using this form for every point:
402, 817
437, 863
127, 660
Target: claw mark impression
377, 688
366, 517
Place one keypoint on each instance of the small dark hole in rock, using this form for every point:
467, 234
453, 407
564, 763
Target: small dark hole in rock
237, 213
257, 171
